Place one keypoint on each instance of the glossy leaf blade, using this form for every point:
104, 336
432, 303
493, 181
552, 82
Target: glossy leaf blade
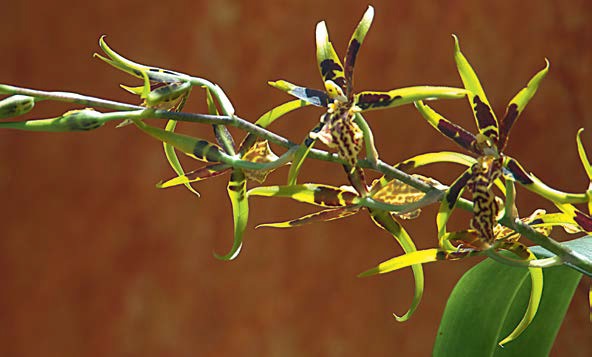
509, 286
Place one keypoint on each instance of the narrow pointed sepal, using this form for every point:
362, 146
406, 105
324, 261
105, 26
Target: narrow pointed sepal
484, 116
237, 192
329, 64
517, 105
321, 216
312, 96
372, 100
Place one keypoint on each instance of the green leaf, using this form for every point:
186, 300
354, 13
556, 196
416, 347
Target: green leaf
237, 191
499, 311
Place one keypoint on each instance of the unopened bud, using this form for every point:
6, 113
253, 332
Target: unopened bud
81, 120
16, 105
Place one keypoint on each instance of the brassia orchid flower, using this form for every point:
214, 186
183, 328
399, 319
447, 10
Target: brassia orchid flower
339, 202
338, 127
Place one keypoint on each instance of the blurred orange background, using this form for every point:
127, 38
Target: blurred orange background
95, 261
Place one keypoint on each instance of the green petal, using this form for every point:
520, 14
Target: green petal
371, 100
435, 157
517, 105
223, 136
200, 174
403, 261
354, 46
301, 154
316, 194
536, 291
312, 96
329, 64
269, 117
484, 116
169, 150
385, 221
194, 147
136, 69
447, 206
322, 216
587, 167
583, 156
237, 191
452, 131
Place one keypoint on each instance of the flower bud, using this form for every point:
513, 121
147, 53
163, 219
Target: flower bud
80, 120
16, 105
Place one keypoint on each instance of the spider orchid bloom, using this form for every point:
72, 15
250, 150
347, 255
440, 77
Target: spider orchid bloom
384, 196
337, 128
254, 160
504, 239
488, 145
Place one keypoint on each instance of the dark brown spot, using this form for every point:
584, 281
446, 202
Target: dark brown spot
583, 221
329, 69
518, 173
456, 133
406, 166
327, 196
454, 190
507, 123
373, 100
483, 114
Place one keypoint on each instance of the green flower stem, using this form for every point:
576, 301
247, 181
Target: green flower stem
537, 263
69, 98
570, 257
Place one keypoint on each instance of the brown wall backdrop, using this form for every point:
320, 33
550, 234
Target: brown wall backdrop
95, 261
